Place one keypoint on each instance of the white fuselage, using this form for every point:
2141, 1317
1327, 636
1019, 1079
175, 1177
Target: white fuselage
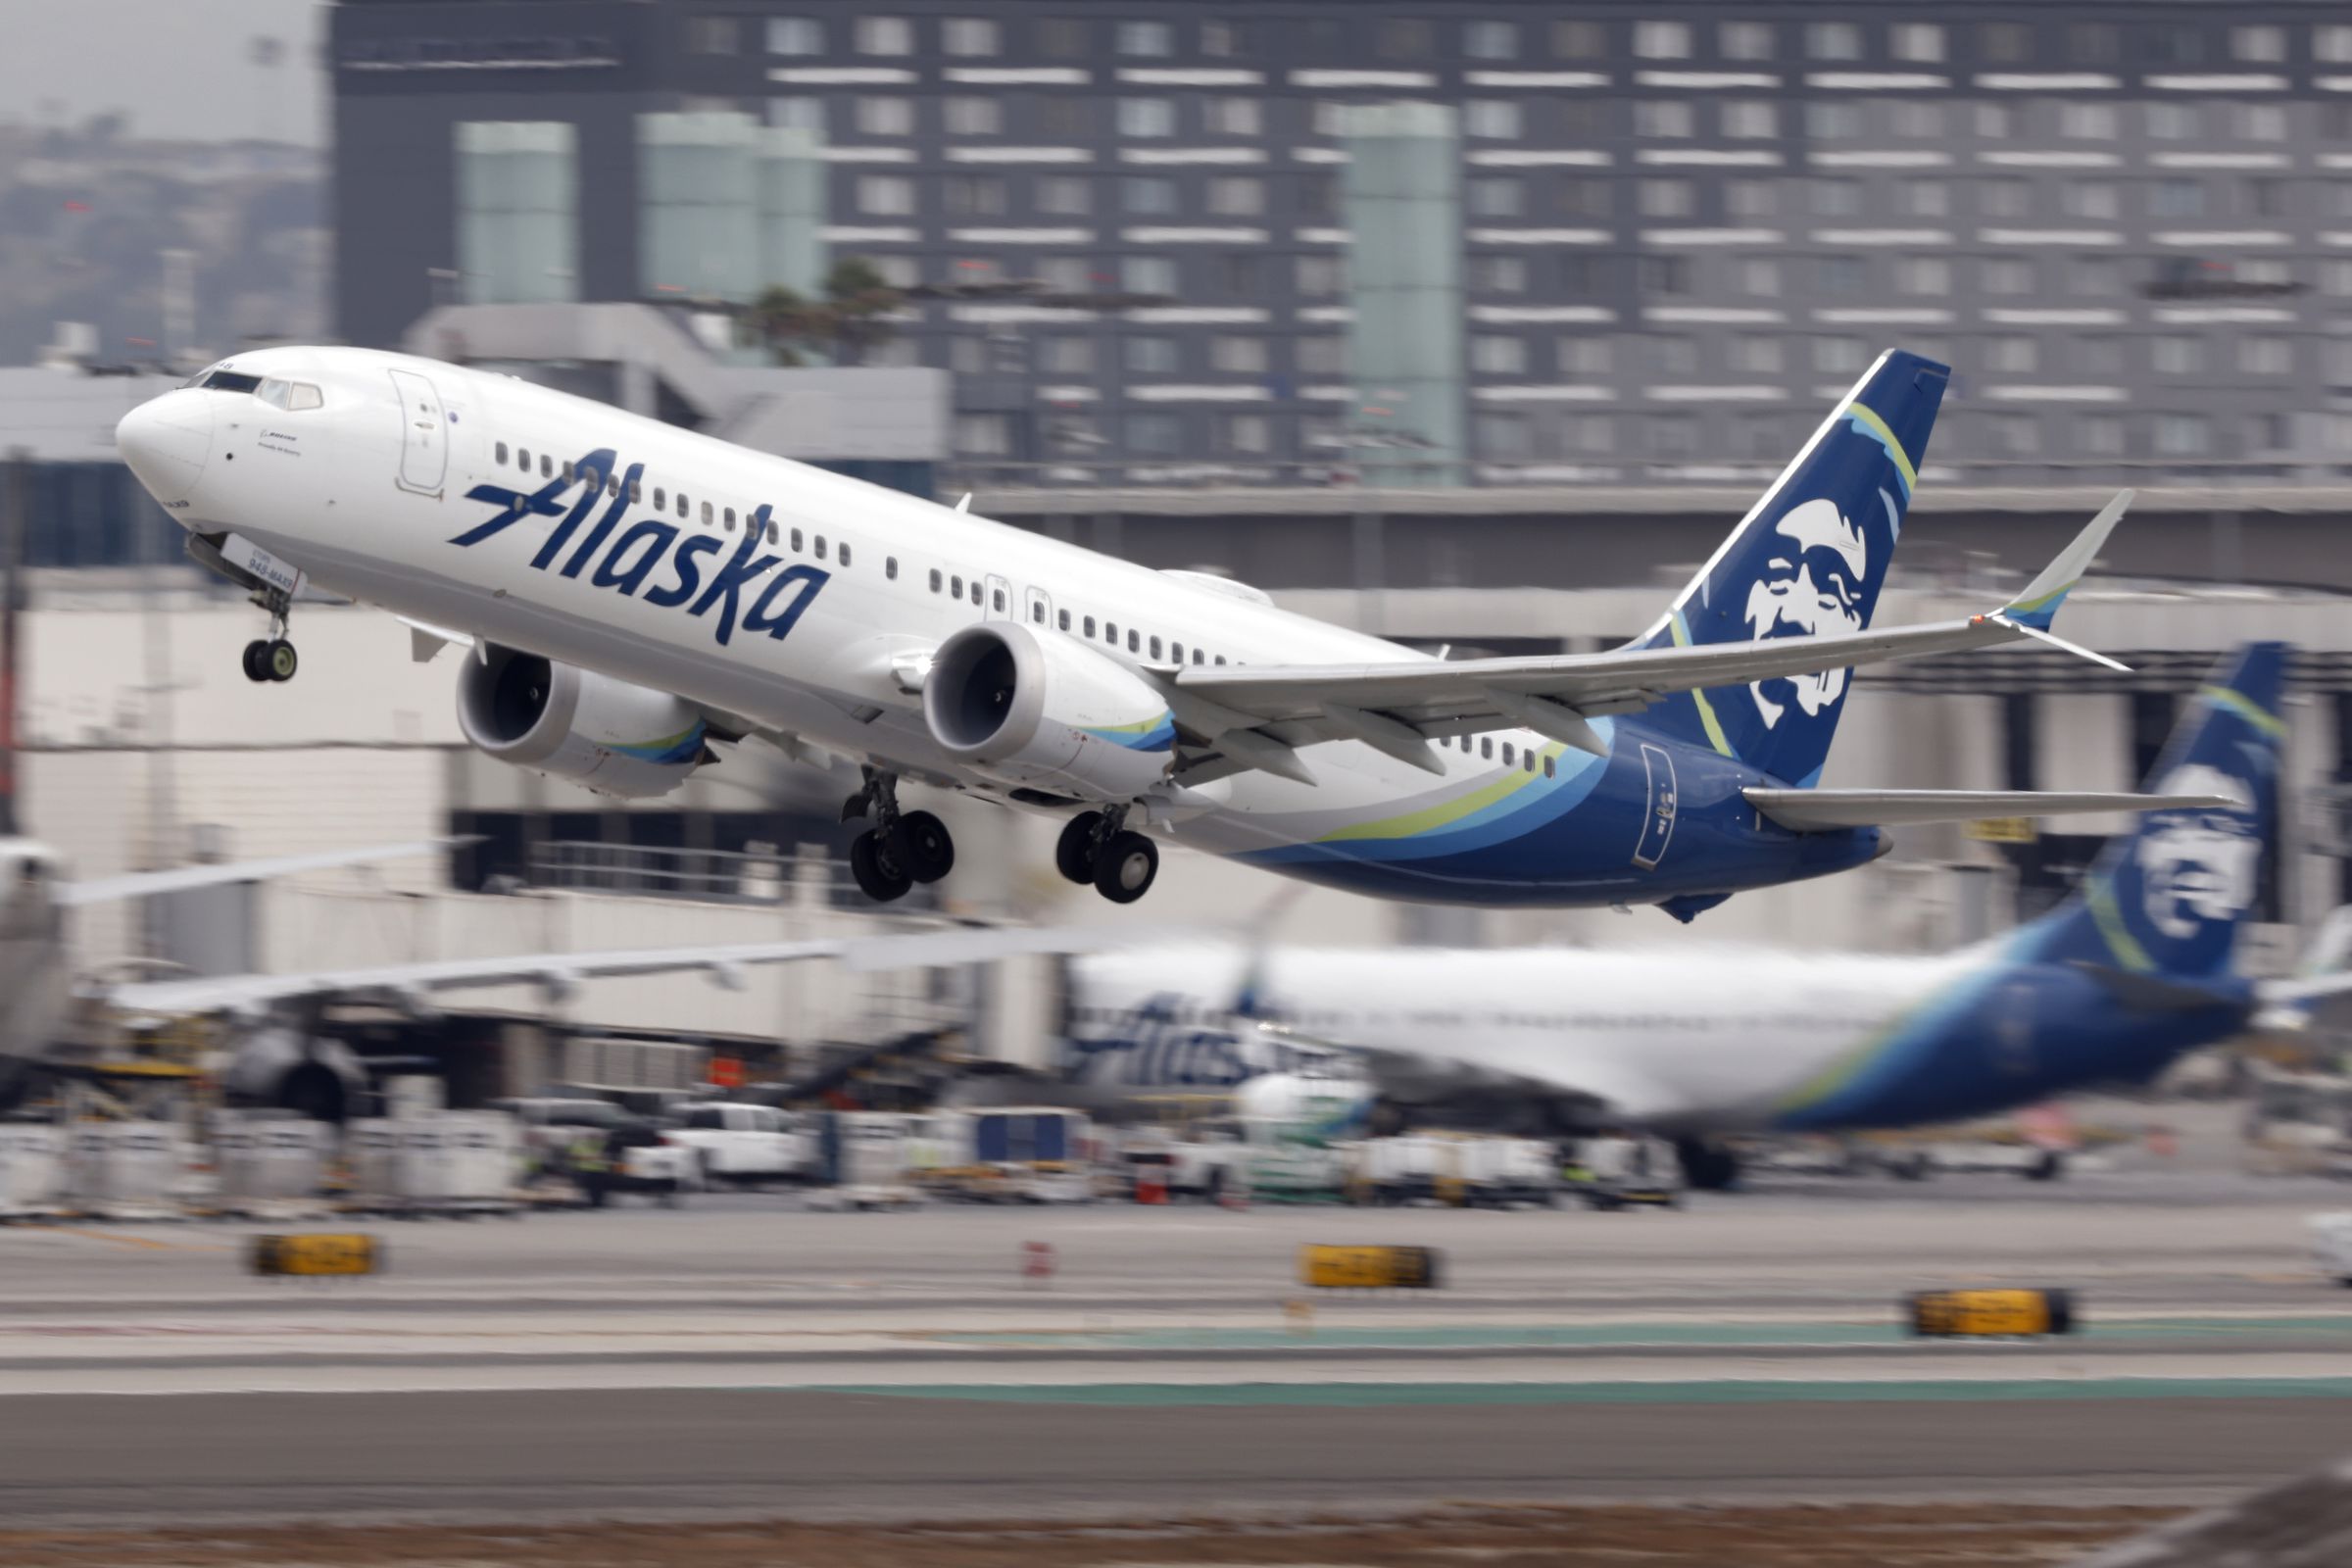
368, 495
1709, 1040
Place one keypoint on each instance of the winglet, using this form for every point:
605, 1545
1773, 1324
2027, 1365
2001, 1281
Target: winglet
2035, 609
965, 505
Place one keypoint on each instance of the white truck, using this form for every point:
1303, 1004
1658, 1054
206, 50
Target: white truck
742, 1145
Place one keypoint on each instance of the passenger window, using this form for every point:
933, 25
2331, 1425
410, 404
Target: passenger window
522, 459
683, 506
547, 466
820, 544
1548, 770
1155, 649
636, 491
975, 590
796, 541
890, 567
1062, 620
1528, 762
660, 499
998, 597
1110, 632
1037, 611
1220, 658
1486, 747
935, 579
307, 395
501, 454
706, 519
773, 530
1176, 653
611, 485
1134, 641
955, 587
1090, 625
844, 551
1508, 758
1196, 656
567, 471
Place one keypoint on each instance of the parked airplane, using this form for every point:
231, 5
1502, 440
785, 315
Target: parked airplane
631, 592
2130, 971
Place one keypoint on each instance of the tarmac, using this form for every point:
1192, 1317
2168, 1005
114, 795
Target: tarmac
745, 1356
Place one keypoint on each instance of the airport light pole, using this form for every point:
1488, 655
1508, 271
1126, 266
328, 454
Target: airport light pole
12, 596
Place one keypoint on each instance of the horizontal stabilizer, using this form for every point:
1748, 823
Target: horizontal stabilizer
1821, 811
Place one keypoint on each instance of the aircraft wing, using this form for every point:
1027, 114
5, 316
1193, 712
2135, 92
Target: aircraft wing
1458, 1074
1816, 811
144, 884
1256, 716
412, 985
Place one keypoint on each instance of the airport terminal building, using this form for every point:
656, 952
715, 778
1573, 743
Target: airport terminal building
1420, 244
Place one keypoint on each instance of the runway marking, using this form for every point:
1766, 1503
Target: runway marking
1759, 1391
127, 1241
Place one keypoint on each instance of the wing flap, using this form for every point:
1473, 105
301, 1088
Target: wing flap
1821, 811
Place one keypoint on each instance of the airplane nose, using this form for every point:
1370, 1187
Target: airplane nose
166, 441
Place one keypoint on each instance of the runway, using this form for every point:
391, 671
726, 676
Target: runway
745, 1357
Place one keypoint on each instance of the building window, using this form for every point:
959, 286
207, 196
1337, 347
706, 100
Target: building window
1919, 42
1745, 40
1069, 118
2006, 274
885, 35
1495, 118
1236, 196
1840, 276
1061, 38
1832, 122
1149, 195
1251, 434
2093, 277
1504, 436
1916, 118
971, 36
2176, 354
1498, 356
2332, 43
1923, 274
1661, 120
1063, 195
2099, 435
1220, 40
1321, 276
1148, 275
885, 195
1490, 40
1152, 40
1151, 353
2094, 44
1404, 38
972, 116
2004, 198
2009, 356
1834, 40
2183, 435
1497, 196
713, 35
795, 35
1994, 122
2266, 356
1233, 354
2174, 122
1587, 198
1840, 356
2259, 45
2087, 122
1578, 40
1232, 117
1750, 121
1666, 198
2176, 198
1758, 276
1662, 40
2006, 43
1497, 274
1756, 356
2259, 122
886, 117
1146, 116
972, 196
1066, 355
2090, 198
1836, 198
797, 114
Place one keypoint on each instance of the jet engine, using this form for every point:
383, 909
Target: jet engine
1310, 1109
613, 737
1035, 707
279, 1066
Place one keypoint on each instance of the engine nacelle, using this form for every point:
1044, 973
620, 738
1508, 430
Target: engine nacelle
277, 1066
1291, 1108
614, 738
1037, 707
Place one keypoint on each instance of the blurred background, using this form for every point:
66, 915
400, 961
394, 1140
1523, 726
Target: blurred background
1471, 325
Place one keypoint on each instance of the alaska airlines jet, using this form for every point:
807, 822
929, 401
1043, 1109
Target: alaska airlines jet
630, 592
2127, 974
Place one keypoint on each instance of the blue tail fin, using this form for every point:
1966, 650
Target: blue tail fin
2167, 898
1810, 556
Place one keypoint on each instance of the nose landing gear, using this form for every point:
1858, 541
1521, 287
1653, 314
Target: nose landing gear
272, 658
1095, 849
902, 847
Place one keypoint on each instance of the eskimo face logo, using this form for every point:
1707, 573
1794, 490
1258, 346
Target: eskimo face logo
1812, 583
2198, 866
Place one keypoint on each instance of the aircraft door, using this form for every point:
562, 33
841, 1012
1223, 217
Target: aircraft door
1657, 827
1000, 599
424, 434
1037, 607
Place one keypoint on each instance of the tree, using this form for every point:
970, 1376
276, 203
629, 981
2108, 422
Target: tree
852, 319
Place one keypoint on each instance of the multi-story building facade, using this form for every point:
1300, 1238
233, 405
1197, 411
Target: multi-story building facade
1683, 223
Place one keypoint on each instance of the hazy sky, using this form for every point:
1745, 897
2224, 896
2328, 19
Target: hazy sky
180, 69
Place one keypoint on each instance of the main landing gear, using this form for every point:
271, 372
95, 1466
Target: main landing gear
272, 658
902, 847
1096, 846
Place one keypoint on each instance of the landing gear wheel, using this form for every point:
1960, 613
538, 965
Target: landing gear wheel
1074, 853
878, 877
920, 845
279, 659
1124, 871
257, 661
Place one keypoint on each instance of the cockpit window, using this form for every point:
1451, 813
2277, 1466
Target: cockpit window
231, 381
292, 396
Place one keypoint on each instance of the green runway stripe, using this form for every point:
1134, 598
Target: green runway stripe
1344, 1394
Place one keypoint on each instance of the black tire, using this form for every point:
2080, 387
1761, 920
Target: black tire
878, 877
257, 661
921, 847
282, 661
1129, 862
1074, 851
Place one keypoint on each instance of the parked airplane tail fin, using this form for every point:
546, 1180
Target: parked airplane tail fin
1810, 556
2167, 898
